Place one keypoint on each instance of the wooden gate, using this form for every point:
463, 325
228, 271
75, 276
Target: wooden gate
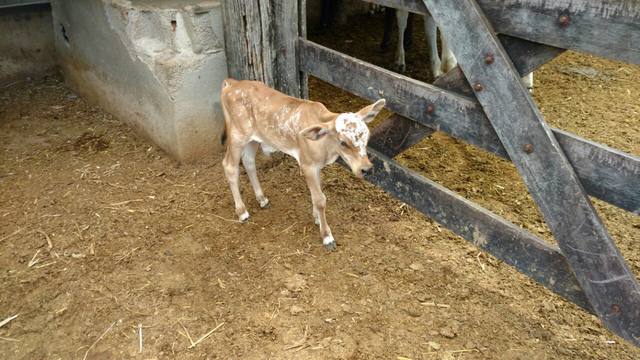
483, 103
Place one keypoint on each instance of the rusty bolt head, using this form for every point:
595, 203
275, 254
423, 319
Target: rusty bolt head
615, 308
478, 87
528, 148
430, 109
564, 20
489, 59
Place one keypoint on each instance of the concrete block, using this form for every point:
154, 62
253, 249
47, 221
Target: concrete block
26, 42
157, 65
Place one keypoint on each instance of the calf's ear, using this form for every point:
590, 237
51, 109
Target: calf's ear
315, 132
369, 113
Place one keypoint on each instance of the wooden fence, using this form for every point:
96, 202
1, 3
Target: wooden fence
483, 103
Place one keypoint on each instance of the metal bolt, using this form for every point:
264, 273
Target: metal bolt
478, 87
528, 148
430, 109
615, 308
489, 59
564, 20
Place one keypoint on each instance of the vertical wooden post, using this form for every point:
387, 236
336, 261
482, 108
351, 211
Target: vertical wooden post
260, 42
246, 39
302, 26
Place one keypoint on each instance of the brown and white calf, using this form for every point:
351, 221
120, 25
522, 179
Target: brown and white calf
258, 116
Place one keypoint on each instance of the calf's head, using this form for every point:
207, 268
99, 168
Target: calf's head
348, 135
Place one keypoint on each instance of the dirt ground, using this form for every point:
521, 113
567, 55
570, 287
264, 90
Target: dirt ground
101, 233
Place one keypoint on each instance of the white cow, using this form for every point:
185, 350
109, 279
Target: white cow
439, 65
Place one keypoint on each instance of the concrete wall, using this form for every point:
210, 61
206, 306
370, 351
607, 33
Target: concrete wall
157, 65
26, 42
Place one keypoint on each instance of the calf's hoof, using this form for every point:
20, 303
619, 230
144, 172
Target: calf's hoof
244, 217
329, 243
264, 203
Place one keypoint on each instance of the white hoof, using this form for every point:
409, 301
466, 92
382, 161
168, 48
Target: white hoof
244, 216
264, 203
329, 243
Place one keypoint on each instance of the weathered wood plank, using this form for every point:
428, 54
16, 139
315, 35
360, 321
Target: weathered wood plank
258, 48
509, 243
247, 44
285, 23
463, 118
606, 279
610, 29
609, 169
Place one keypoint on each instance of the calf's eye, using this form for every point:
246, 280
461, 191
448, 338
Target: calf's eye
344, 144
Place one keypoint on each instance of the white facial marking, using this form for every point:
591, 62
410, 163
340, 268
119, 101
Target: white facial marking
352, 127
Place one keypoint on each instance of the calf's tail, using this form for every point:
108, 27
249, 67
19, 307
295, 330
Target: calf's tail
225, 84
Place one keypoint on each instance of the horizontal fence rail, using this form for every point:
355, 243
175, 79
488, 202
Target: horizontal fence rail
517, 247
610, 29
607, 174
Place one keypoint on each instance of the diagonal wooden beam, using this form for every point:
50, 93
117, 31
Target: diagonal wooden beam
606, 279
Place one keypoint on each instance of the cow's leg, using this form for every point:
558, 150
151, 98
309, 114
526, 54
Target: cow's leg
448, 59
319, 200
431, 30
389, 15
249, 163
231, 164
402, 17
527, 81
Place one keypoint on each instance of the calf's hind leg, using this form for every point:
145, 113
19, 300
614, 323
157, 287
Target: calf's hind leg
231, 164
249, 163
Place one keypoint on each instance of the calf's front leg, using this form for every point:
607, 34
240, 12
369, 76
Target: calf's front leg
319, 200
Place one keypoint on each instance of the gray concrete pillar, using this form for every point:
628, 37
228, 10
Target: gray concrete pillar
157, 65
